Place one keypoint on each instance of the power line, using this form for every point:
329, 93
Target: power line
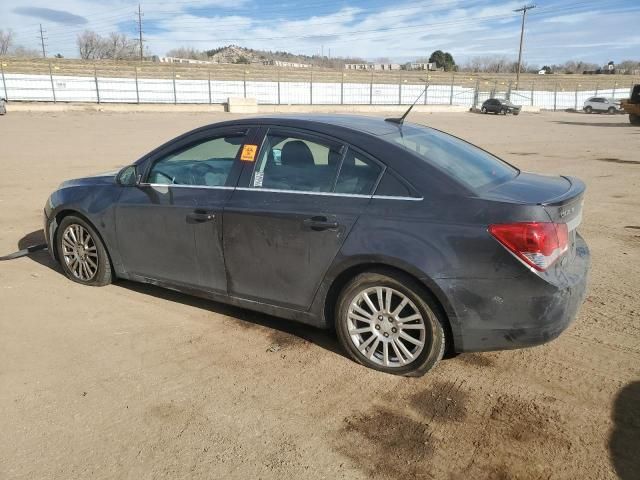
523, 9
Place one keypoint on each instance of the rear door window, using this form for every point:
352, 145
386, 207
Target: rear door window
290, 161
358, 174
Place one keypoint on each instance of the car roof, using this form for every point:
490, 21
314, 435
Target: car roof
357, 123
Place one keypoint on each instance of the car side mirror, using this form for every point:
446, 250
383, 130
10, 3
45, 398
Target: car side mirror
128, 176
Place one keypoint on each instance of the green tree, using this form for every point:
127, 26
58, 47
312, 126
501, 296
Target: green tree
443, 60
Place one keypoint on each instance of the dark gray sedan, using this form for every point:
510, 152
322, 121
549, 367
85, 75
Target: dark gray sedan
406, 240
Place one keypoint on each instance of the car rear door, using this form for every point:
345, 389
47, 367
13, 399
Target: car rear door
169, 226
293, 208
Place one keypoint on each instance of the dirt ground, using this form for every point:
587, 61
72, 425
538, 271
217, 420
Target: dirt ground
132, 381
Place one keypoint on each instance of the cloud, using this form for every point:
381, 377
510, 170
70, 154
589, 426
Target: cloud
58, 16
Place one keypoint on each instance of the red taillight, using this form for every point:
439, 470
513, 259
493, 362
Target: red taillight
537, 244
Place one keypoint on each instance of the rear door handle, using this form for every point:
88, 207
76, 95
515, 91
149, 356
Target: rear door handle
200, 216
320, 223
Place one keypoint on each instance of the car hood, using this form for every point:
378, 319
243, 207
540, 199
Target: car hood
106, 178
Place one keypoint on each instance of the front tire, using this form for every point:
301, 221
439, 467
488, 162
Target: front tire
82, 253
588, 109
389, 322
634, 119
483, 109
611, 110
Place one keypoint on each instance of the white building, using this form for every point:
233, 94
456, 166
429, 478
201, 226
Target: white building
372, 66
280, 63
180, 60
422, 66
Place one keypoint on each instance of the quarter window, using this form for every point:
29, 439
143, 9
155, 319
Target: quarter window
207, 163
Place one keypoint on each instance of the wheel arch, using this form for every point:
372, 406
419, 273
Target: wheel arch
429, 286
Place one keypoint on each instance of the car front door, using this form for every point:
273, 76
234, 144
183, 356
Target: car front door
169, 226
292, 210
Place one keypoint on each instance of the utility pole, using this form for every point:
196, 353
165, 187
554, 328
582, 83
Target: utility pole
140, 32
42, 39
523, 9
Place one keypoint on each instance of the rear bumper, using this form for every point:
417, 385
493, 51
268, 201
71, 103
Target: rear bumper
522, 312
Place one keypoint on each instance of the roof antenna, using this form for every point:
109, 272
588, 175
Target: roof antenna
400, 120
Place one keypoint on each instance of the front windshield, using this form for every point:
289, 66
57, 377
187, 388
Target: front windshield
464, 162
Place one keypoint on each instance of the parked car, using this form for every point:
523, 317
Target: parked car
497, 105
408, 241
601, 105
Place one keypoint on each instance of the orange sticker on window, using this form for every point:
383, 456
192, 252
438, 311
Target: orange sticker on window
248, 153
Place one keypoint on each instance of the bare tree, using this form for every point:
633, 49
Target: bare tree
117, 46
6, 39
90, 45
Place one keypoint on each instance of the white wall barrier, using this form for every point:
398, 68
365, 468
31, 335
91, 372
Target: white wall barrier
66, 88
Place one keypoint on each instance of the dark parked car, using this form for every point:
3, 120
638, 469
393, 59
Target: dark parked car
496, 105
407, 240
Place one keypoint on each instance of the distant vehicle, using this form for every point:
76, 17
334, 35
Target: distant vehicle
406, 240
601, 105
497, 105
3, 109
632, 105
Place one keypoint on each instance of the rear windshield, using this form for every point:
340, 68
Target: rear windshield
465, 163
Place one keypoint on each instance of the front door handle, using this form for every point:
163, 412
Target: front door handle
200, 216
320, 223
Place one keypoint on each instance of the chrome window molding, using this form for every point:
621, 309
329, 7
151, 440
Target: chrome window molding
303, 192
275, 190
391, 197
173, 185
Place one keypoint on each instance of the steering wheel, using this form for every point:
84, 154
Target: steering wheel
200, 169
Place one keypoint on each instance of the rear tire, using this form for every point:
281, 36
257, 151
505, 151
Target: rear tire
82, 253
588, 109
382, 334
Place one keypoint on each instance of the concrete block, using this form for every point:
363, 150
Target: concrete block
242, 105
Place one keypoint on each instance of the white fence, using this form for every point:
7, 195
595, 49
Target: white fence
67, 88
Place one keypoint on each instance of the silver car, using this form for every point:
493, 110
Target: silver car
601, 105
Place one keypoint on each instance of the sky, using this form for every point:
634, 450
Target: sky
556, 31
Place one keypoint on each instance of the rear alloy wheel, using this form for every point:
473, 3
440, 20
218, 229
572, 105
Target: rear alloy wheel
388, 323
81, 253
588, 109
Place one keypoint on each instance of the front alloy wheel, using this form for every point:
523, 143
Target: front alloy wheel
389, 323
81, 252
